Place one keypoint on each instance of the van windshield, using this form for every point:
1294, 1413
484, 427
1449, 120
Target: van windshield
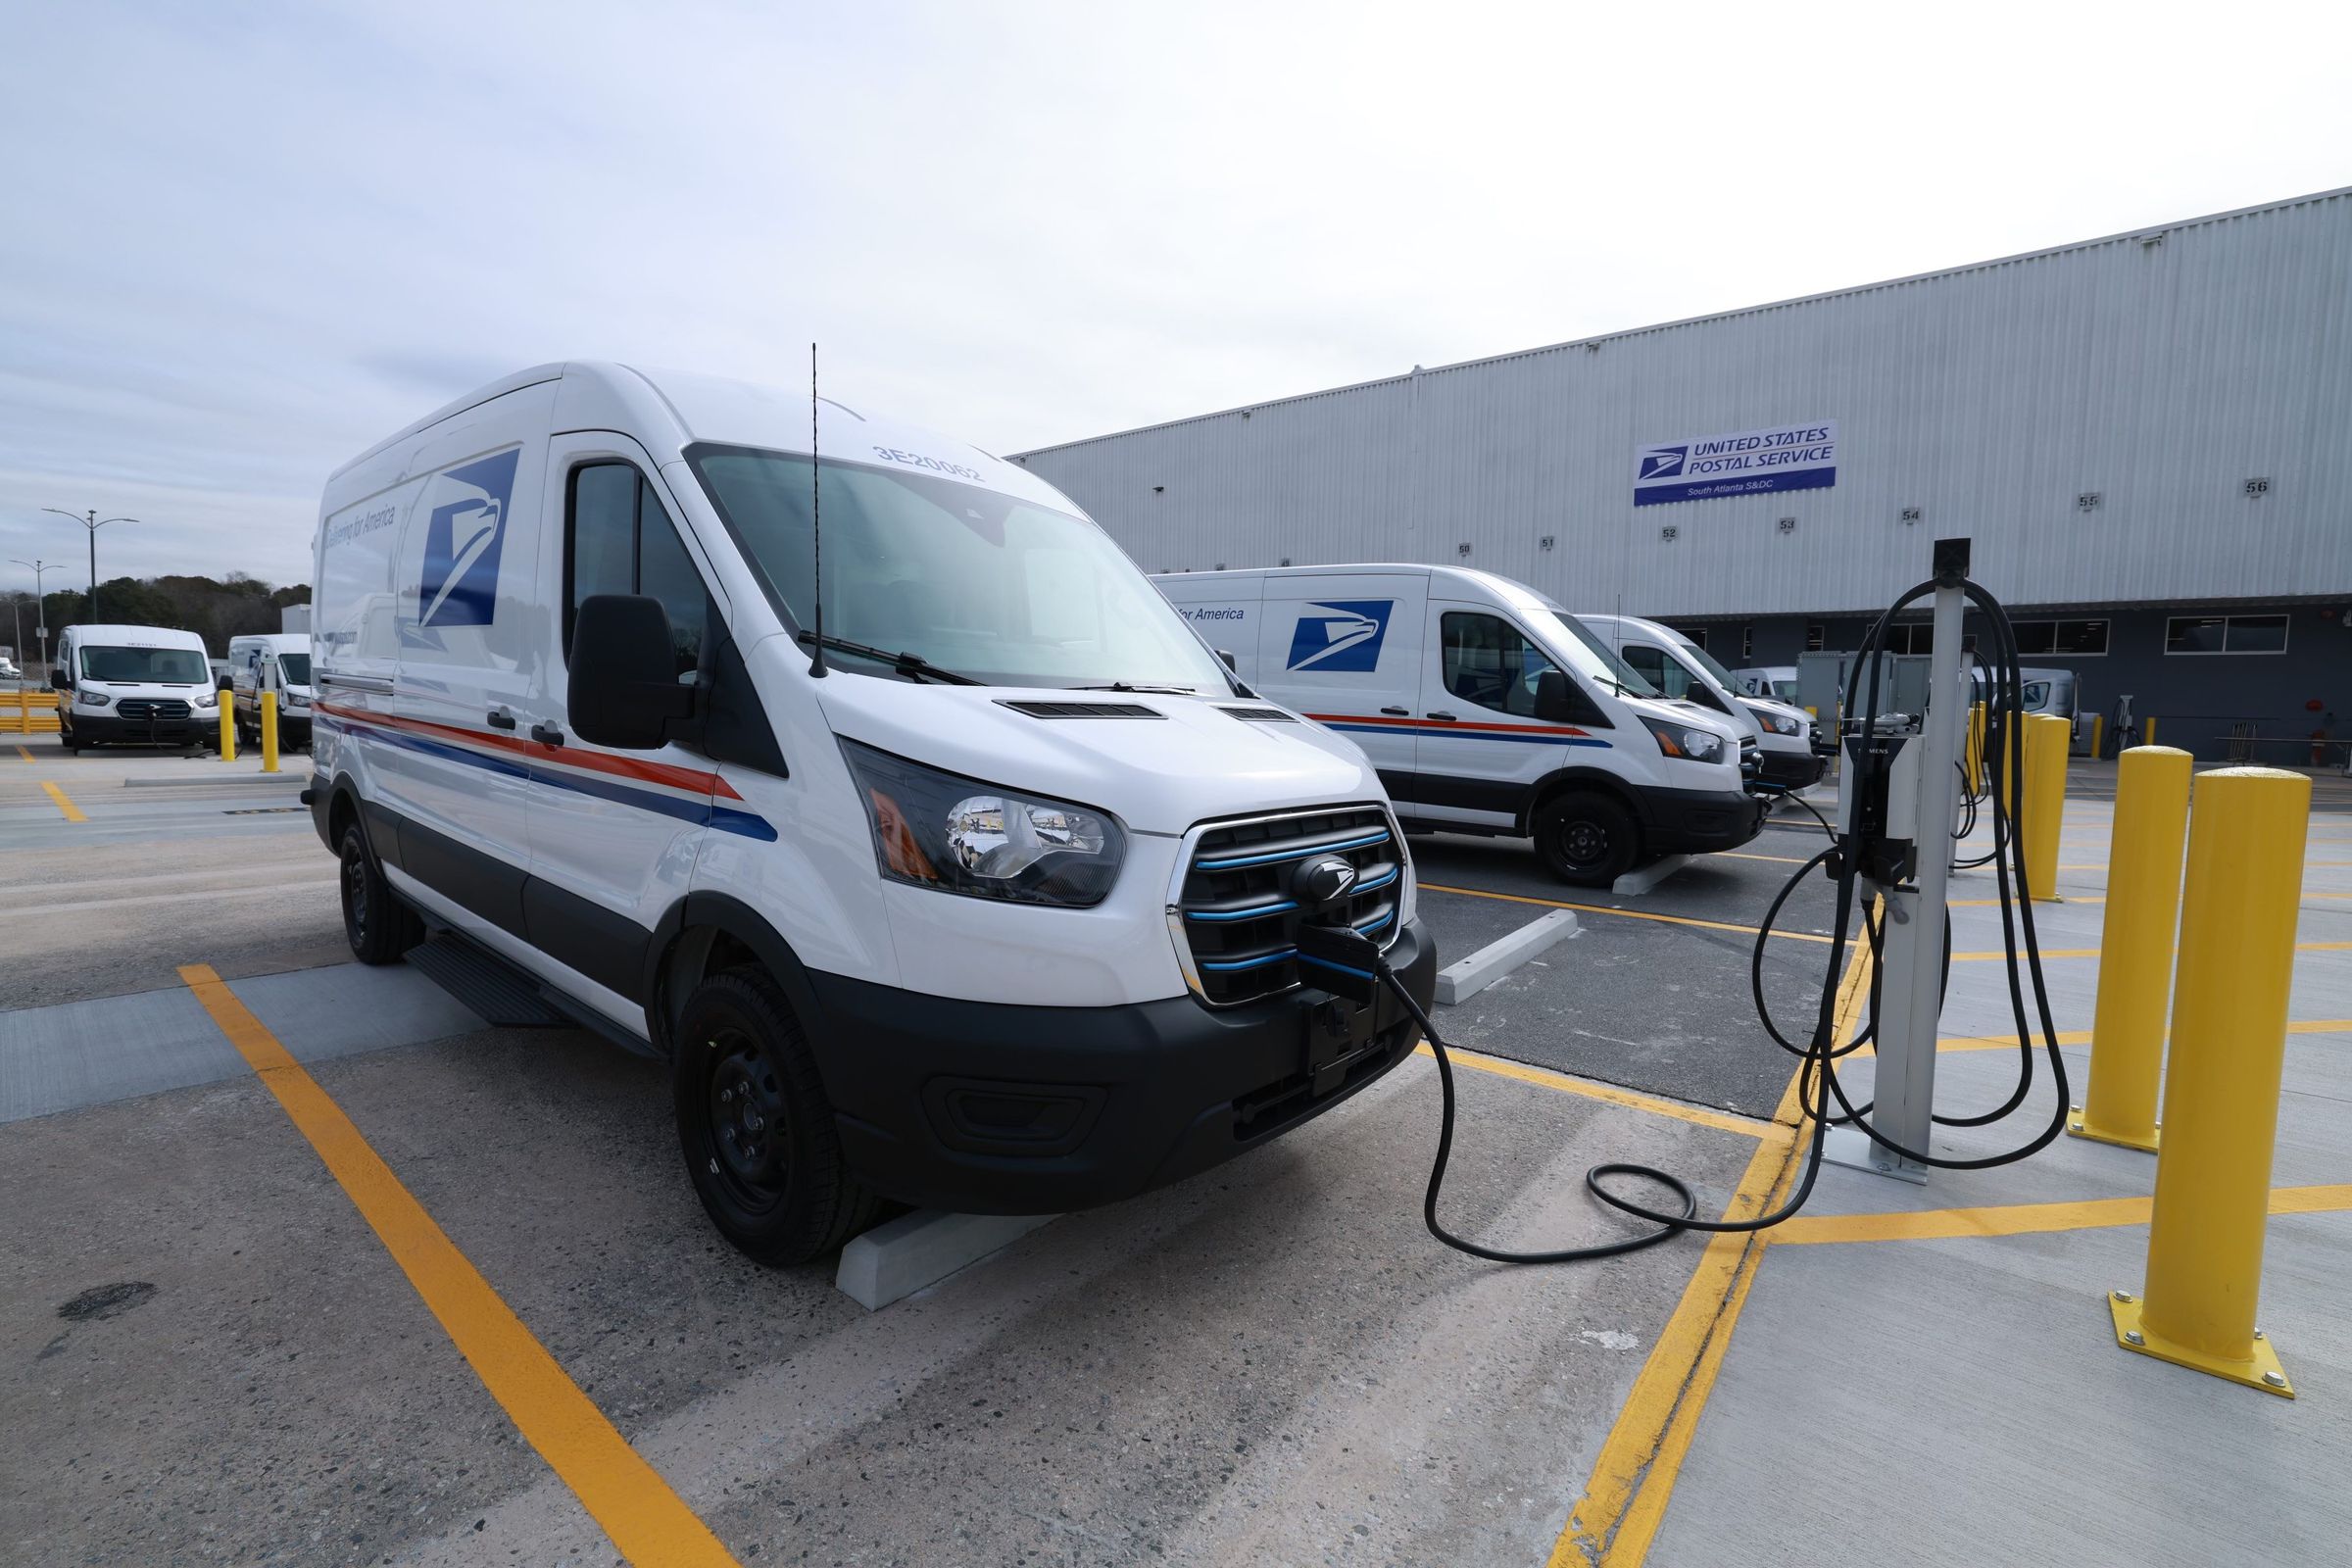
1597, 661
1710, 664
156, 666
1784, 690
971, 580
294, 668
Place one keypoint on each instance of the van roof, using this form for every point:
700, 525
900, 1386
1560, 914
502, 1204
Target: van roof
667, 410
1509, 589
275, 639
124, 631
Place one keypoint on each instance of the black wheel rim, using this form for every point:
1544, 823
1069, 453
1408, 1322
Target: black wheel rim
355, 893
750, 1137
1583, 844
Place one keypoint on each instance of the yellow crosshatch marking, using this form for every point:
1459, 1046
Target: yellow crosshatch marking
648, 1522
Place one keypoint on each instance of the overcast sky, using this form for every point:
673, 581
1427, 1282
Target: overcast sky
239, 243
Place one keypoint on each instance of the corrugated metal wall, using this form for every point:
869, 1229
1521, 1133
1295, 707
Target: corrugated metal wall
2161, 370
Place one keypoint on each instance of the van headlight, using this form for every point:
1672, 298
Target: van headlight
210, 699
90, 698
1685, 740
958, 835
1777, 724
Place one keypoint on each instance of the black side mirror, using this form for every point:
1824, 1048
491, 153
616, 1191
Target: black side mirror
1226, 654
1554, 703
227, 683
62, 678
624, 685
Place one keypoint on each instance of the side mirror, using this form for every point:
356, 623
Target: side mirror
1555, 704
1226, 654
624, 687
60, 678
226, 683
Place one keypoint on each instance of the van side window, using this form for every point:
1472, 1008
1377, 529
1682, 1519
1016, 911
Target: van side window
621, 542
1490, 662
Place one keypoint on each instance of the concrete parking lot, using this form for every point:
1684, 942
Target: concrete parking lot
304, 1264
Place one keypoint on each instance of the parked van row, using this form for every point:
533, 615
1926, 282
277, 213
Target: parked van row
1487, 708
962, 873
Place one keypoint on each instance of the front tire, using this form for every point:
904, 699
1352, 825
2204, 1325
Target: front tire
376, 925
1587, 839
756, 1126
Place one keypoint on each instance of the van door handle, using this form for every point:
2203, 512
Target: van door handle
499, 719
1401, 712
547, 735
1446, 716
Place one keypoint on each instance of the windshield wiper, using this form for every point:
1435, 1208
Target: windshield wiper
913, 664
1148, 688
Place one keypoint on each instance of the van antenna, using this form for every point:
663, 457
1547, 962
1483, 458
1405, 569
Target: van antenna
816, 535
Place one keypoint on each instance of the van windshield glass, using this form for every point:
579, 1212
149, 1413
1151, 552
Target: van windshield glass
157, 666
1590, 656
1784, 690
294, 668
1708, 663
975, 581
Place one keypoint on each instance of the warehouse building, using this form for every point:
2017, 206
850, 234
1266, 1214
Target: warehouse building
2148, 436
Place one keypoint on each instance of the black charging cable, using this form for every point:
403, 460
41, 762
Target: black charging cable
1818, 1087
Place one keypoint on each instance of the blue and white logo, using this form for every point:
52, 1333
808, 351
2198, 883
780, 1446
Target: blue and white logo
1706, 468
463, 540
1662, 463
1346, 639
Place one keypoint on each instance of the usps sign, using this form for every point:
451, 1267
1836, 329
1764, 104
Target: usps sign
1790, 457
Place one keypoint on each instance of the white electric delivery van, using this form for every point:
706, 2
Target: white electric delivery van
266, 662
1675, 663
133, 686
1486, 708
996, 911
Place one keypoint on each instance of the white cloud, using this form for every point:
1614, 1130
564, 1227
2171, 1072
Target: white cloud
240, 246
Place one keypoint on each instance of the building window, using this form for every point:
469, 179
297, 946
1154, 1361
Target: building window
1816, 636
1748, 644
2067, 639
2225, 634
1917, 638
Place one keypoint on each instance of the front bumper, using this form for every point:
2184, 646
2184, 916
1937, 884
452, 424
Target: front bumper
1699, 821
1003, 1109
109, 729
1792, 770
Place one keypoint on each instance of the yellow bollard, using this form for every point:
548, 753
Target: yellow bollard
2221, 1098
268, 732
2147, 732
228, 728
2098, 733
2136, 947
2045, 747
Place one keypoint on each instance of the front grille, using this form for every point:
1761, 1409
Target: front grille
1234, 910
147, 710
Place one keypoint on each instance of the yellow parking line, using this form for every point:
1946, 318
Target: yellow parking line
648, 1521
25, 754
1696, 1115
1625, 1497
2081, 1037
1777, 859
73, 811
2092, 952
1629, 915
2020, 1220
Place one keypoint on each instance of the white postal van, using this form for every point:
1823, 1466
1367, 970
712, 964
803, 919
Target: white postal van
271, 662
998, 913
133, 686
1682, 670
1485, 707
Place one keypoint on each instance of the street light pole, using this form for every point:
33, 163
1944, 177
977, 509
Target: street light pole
40, 610
93, 523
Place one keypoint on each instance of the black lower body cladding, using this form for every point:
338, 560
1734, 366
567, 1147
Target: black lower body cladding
1792, 770
95, 729
993, 1107
1699, 821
